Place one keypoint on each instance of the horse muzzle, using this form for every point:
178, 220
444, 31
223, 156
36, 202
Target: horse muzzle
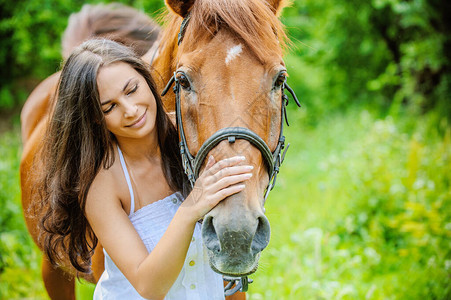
235, 237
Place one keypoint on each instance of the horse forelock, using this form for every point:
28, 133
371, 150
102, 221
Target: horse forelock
252, 21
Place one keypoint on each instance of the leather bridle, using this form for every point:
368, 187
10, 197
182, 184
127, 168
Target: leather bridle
192, 164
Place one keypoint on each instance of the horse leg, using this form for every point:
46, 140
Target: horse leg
59, 285
97, 265
237, 296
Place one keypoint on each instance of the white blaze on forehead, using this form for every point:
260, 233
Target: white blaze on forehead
232, 53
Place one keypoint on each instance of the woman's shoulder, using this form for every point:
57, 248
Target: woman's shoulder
106, 175
107, 187
108, 181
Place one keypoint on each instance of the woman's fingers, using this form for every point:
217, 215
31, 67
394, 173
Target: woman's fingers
230, 180
218, 181
229, 171
224, 193
211, 161
228, 162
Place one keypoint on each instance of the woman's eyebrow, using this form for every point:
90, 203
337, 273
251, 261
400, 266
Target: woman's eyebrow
123, 89
126, 84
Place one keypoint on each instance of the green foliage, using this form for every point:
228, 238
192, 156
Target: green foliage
379, 53
384, 54
19, 259
401, 206
361, 210
31, 32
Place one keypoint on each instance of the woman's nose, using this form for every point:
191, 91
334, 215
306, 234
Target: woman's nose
130, 109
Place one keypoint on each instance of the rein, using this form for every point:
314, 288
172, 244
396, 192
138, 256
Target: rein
192, 165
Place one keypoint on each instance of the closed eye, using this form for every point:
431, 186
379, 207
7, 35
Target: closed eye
110, 108
134, 89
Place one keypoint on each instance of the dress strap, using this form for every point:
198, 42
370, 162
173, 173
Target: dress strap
127, 178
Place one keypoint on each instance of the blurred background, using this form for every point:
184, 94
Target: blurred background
362, 206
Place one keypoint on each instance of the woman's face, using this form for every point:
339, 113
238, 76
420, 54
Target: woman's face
126, 100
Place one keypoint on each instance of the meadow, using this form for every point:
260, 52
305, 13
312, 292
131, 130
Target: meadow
361, 210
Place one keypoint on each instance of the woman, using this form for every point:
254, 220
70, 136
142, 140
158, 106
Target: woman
112, 173
113, 21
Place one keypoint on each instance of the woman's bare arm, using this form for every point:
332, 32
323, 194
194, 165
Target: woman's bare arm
153, 274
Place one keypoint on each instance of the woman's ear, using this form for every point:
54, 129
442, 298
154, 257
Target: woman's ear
180, 7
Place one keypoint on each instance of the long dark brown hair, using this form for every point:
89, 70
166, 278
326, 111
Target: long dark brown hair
78, 144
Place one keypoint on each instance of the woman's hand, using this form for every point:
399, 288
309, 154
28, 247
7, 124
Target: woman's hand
217, 182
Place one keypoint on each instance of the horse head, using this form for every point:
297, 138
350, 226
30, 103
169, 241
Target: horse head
228, 74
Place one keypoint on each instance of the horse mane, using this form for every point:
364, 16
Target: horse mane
114, 21
252, 21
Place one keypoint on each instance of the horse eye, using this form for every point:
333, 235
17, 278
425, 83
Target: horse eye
280, 80
184, 82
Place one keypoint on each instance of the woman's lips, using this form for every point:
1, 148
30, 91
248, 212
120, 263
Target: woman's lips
139, 122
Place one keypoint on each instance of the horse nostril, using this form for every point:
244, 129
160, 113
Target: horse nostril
209, 235
262, 234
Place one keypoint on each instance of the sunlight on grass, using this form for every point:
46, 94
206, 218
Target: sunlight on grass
84, 290
361, 210
359, 206
19, 258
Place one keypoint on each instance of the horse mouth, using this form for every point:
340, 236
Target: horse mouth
234, 274
228, 272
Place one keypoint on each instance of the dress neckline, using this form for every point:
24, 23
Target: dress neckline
177, 196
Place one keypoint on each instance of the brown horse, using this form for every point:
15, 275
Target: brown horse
229, 74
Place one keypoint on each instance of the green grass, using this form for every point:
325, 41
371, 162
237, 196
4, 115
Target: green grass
361, 210
19, 258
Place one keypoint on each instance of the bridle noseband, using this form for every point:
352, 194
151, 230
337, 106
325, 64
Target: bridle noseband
192, 165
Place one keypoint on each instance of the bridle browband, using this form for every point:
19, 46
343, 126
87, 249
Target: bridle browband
192, 165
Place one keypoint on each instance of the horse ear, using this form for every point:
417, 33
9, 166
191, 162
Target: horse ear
180, 7
277, 5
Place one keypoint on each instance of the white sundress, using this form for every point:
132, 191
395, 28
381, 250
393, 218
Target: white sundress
196, 281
